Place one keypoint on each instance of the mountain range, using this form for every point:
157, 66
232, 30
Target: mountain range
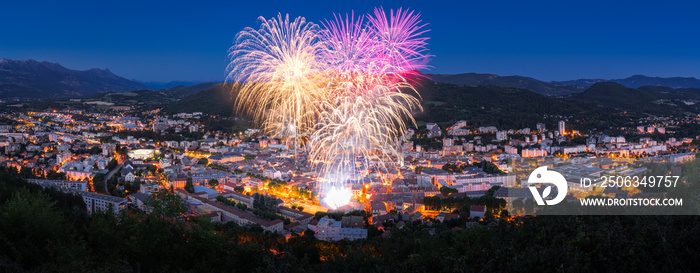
173, 84
637, 81
476, 79
30, 79
560, 88
37, 80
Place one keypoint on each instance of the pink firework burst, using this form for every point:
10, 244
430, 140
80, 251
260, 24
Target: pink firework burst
399, 34
349, 46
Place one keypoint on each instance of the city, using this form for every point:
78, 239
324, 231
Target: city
305, 137
225, 176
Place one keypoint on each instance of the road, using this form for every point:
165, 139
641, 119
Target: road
109, 175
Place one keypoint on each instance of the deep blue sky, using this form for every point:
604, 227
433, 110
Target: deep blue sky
188, 40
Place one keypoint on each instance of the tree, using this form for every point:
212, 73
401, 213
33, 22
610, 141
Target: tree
189, 187
152, 169
492, 190
529, 206
112, 163
517, 205
453, 168
203, 161
53, 175
504, 213
447, 191
26, 172
98, 182
166, 203
239, 188
213, 183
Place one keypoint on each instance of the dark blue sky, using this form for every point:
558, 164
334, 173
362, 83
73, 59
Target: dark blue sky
188, 40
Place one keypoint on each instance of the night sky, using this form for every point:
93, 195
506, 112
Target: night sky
188, 40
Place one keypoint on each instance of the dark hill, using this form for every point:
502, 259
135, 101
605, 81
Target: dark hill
615, 94
649, 100
182, 91
494, 105
32, 79
217, 100
475, 79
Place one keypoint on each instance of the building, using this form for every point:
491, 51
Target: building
140, 200
562, 127
142, 153
128, 174
574, 149
149, 188
295, 215
446, 216
459, 124
230, 214
541, 127
201, 190
533, 153
240, 198
477, 211
430, 125
501, 135
378, 208
434, 131
448, 142
681, 158
511, 194
108, 149
330, 230
458, 132
483, 182
490, 129
93, 201
226, 158
62, 184
432, 176
100, 202
352, 222
63, 157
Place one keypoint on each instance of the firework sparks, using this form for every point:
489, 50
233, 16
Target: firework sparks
279, 68
401, 37
344, 87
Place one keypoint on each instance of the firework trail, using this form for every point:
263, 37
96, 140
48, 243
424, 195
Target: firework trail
280, 71
347, 88
368, 101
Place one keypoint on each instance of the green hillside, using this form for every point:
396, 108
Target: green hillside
503, 106
645, 100
218, 101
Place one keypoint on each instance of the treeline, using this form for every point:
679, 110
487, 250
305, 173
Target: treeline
495, 206
47, 231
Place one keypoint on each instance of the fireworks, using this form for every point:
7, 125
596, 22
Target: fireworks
400, 37
279, 68
345, 88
